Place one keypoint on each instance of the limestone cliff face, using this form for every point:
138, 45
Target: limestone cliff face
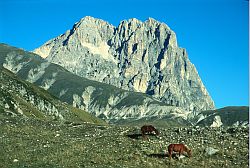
136, 56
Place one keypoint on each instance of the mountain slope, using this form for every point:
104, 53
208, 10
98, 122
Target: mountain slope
102, 100
227, 116
105, 101
136, 56
21, 98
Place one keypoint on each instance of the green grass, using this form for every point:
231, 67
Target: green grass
36, 143
80, 116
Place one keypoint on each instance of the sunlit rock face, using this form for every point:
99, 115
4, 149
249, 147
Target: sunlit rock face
135, 56
100, 99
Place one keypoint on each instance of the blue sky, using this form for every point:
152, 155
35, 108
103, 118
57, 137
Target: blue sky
214, 32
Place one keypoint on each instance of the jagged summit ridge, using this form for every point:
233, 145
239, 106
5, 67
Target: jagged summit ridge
135, 55
88, 23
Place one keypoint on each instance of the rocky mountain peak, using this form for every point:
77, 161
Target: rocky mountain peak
89, 21
135, 55
152, 22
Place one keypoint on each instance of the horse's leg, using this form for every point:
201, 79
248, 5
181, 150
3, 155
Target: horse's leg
181, 152
170, 154
144, 136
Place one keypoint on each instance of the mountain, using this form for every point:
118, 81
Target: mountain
135, 56
102, 100
21, 98
227, 116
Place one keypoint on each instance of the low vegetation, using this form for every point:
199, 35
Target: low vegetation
36, 143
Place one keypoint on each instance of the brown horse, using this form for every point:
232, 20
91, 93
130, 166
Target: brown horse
180, 148
148, 129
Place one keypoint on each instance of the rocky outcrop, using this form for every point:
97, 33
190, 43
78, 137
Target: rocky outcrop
135, 56
217, 122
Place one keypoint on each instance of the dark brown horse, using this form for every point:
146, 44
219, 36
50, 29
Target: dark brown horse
148, 129
180, 148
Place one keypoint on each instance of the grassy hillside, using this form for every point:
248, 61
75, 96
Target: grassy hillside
166, 121
36, 143
18, 97
229, 115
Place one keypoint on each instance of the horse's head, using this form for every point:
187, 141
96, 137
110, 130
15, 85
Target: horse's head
157, 132
189, 152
